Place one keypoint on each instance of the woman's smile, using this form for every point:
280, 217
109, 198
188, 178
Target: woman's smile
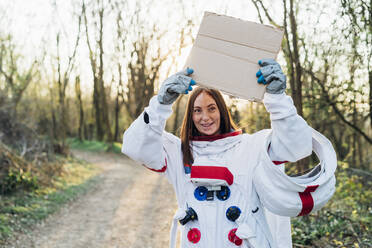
206, 115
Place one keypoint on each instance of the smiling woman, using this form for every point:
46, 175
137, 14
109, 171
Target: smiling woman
206, 116
230, 187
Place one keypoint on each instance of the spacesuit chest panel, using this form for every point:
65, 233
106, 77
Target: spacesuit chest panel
215, 163
218, 191
211, 171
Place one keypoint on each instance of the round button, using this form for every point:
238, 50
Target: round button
200, 193
232, 213
194, 235
223, 194
233, 238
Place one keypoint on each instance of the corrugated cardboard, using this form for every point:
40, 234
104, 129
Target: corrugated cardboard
226, 51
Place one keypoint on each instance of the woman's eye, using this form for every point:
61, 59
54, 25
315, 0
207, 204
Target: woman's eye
211, 109
196, 110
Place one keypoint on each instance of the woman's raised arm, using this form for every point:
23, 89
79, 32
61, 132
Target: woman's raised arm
145, 140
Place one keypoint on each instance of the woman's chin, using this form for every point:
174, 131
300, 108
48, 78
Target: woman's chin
209, 132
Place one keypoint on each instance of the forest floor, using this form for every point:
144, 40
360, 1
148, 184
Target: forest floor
131, 207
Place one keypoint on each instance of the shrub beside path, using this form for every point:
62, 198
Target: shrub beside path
131, 207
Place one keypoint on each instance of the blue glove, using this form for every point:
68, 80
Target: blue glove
271, 74
175, 85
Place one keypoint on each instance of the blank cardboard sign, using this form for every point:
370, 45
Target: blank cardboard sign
226, 52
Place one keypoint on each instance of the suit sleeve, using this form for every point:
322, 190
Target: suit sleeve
296, 196
145, 141
292, 139
291, 136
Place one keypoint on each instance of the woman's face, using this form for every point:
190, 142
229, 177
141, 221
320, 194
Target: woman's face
206, 115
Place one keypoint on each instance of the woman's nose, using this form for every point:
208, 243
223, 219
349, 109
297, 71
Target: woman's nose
205, 116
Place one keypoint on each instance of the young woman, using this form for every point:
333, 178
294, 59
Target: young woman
225, 180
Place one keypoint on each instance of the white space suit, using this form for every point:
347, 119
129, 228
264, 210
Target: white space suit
234, 177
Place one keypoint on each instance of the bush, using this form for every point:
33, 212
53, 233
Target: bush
22, 138
345, 221
18, 180
21, 210
18, 174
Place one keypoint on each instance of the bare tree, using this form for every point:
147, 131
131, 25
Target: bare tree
63, 79
290, 47
332, 99
81, 128
97, 66
359, 14
120, 49
16, 78
146, 58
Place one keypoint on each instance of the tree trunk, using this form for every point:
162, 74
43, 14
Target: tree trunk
117, 111
96, 83
297, 94
54, 122
103, 101
97, 110
81, 109
370, 96
61, 99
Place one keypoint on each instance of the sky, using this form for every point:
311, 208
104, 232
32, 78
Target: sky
34, 24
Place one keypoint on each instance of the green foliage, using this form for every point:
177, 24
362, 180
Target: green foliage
22, 209
95, 146
254, 118
17, 179
19, 174
345, 221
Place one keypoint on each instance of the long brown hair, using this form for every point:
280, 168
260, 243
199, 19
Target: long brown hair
188, 128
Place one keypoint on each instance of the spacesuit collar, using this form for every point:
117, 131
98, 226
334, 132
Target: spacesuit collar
216, 137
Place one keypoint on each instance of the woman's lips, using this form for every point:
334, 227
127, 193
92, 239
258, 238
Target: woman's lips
207, 125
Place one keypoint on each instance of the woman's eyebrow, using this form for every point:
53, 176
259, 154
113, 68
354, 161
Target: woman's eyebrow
210, 105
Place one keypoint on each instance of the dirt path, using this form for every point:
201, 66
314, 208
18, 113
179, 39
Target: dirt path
132, 207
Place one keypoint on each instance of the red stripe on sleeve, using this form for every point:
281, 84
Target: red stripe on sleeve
212, 172
279, 162
307, 200
276, 162
164, 168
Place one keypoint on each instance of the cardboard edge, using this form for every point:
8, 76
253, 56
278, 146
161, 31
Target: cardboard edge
234, 95
209, 13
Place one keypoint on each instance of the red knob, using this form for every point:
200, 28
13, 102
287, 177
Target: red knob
234, 238
194, 235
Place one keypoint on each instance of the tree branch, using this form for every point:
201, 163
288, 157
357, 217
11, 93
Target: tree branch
335, 108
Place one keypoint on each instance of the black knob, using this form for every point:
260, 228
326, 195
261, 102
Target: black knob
190, 216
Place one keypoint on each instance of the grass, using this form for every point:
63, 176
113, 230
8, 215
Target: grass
95, 146
21, 210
